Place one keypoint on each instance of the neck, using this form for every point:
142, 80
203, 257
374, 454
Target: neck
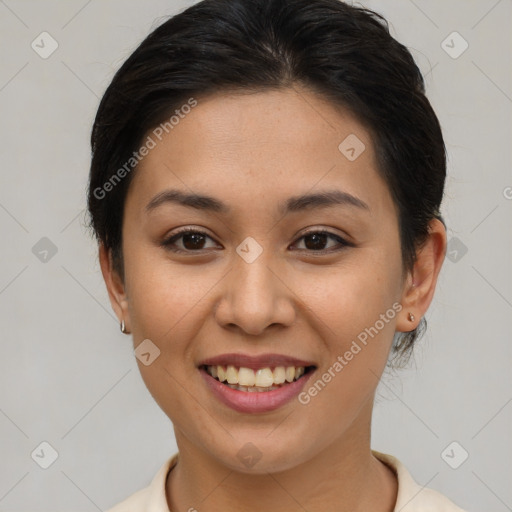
343, 477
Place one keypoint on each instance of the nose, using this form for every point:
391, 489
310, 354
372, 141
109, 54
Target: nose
255, 296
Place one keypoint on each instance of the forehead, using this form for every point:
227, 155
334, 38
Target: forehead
263, 145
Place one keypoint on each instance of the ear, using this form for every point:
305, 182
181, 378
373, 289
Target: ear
115, 286
420, 283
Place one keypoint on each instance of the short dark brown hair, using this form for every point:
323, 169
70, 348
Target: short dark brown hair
341, 52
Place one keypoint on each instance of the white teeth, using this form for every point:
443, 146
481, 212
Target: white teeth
264, 379
246, 376
232, 374
221, 374
252, 389
279, 375
290, 373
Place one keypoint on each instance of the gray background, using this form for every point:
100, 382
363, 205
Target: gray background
69, 377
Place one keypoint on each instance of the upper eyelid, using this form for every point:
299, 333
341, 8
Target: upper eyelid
186, 231
176, 236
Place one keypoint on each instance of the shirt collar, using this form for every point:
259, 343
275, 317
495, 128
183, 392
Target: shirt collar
408, 489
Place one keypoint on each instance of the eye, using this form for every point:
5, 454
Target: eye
316, 240
192, 240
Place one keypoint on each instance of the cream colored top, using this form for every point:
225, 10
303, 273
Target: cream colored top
411, 497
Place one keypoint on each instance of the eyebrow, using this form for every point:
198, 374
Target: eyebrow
322, 199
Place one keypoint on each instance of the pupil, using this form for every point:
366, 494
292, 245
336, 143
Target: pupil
195, 238
319, 238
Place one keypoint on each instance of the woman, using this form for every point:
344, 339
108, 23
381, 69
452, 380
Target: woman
265, 189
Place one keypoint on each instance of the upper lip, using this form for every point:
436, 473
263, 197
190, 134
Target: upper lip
255, 362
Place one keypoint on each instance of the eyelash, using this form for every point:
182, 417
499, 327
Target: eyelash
169, 242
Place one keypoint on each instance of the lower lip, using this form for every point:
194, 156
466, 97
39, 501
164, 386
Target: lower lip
257, 401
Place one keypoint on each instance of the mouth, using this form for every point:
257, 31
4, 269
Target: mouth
257, 380
255, 384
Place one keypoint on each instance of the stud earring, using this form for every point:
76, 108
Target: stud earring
411, 317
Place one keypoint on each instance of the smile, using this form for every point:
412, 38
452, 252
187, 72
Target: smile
255, 384
256, 380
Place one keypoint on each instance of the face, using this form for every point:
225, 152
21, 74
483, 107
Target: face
264, 278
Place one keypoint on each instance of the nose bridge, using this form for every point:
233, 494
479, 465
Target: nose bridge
254, 278
251, 265
254, 297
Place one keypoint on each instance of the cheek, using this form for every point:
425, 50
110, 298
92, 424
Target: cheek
164, 296
351, 296
168, 305
355, 308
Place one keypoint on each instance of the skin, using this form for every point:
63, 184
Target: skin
253, 151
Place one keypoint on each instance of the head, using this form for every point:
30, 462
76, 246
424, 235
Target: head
246, 107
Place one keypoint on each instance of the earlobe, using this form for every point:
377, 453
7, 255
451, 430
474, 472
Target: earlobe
115, 287
421, 282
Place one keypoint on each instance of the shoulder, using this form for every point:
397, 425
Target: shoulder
413, 497
152, 498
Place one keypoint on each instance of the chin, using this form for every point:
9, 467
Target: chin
260, 458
